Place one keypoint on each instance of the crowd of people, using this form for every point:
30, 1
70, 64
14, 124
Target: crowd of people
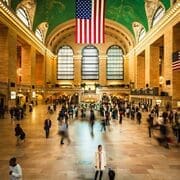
166, 123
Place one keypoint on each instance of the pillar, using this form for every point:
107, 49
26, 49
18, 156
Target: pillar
26, 65
102, 70
168, 50
77, 70
140, 80
154, 66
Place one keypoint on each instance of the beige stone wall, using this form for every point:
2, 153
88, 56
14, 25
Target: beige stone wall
131, 60
8, 56
4, 54
102, 70
147, 65
49, 66
140, 81
32, 59
39, 70
77, 71
168, 51
12, 53
154, 67
26, 65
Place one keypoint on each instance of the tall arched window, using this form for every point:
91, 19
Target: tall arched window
115, 63
6, 2
142, 33
90, 63
65, 63
39, 34
23, 15
158, 15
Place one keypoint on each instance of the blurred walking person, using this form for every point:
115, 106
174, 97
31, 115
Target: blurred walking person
92, 119
63, 132
138, 117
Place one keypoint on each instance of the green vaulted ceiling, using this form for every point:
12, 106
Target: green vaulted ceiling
124, 12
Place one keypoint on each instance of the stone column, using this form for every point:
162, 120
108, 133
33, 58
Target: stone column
168, 50
3, 54
77, 70
32, 59
8, 55
140, 81
39, 70
102, 70
154, 66
48, 69
8, 58
26, 65
126, 70
131, 60
147, 65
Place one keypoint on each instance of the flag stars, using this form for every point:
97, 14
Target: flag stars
83, 9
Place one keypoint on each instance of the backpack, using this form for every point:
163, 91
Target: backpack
111, 174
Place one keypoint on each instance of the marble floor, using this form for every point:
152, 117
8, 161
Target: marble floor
129, 150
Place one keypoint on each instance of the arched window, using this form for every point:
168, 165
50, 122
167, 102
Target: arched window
115, 63
90, 63
142, 33
23, 15
39, 34
158, 15
65, 64
6, 2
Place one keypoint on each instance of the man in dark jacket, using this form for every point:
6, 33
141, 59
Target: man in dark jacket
47, 126
138, 117
19, 133
150, 124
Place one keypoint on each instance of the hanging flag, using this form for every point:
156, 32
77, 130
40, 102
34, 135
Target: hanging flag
89, 21
176, 61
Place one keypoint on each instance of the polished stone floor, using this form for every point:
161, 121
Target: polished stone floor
130, 152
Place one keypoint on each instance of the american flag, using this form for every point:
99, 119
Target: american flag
176, 61
89, 21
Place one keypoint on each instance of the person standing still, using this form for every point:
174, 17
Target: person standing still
47, 126
15, 170
100, 162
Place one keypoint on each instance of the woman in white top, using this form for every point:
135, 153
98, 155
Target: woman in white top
15, 170
100, 162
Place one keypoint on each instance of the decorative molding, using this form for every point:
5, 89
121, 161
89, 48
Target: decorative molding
30, 7
150, 7
43, 27
137, 29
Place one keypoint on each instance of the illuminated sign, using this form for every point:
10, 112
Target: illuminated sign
13, 94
